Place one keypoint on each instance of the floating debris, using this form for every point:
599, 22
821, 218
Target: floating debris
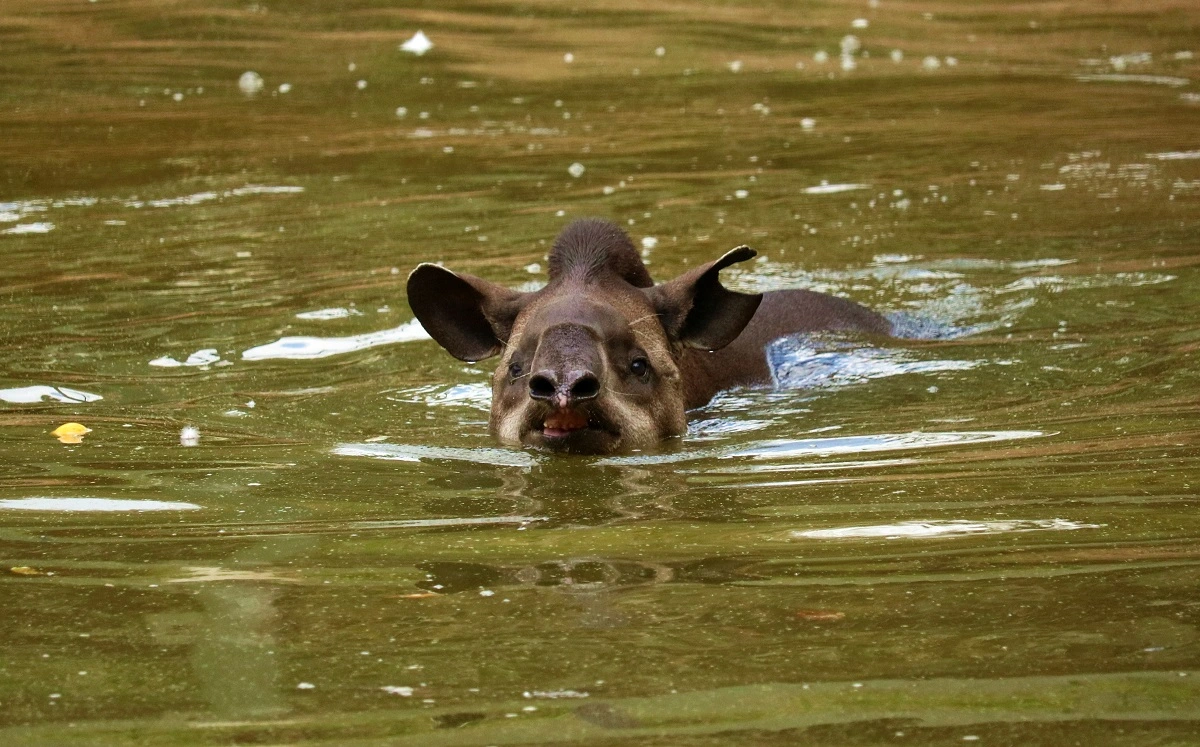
250, 83
419, 44
189, 436
576, 169
71, 433
402, 691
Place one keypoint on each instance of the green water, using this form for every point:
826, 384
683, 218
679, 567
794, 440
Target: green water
988, 534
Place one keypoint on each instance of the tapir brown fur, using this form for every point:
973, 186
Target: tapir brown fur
601, 359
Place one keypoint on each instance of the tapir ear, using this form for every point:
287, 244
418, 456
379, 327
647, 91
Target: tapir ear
698, 311
468, 316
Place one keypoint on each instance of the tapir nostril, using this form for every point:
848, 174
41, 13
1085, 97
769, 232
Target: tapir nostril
541, 386
587, 386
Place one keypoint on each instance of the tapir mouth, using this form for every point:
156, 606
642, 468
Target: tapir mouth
573, 430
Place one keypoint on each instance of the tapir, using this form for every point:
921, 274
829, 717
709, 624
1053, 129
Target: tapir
601, 360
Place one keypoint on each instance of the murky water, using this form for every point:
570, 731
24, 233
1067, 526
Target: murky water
288, 524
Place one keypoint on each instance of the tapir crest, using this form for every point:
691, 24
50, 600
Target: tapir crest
601, 359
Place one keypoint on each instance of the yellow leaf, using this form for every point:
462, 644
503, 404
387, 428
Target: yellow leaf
70, 433
24, 570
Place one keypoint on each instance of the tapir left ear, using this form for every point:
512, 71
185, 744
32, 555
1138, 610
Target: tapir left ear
699, 312
468, 316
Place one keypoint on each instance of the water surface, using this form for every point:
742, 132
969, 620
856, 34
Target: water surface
289, 525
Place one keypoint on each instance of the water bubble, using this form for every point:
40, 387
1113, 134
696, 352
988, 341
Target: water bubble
568, 58
821, 57
859, 23
250, 83
897, 56
735, 66
285, 87
576, 169
661, 51
360, 85
401, 112
178, 96
808, 123
931, 63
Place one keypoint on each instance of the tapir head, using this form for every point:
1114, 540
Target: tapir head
591, 363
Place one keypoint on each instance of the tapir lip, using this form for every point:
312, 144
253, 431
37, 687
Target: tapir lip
576, 430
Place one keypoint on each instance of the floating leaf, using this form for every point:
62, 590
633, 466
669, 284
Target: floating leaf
24, 570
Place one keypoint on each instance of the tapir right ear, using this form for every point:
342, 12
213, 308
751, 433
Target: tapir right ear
699, 312
468, 316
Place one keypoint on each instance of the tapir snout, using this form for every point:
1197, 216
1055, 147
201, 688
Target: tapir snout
568, 366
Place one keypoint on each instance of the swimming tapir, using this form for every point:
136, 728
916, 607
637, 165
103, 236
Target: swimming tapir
603, 360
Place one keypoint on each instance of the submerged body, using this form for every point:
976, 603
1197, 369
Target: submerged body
603, 360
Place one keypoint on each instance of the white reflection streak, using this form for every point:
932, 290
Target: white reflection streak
428, 523
918, 529
27, 395
94, 504
881, 442
305, 348
411, 453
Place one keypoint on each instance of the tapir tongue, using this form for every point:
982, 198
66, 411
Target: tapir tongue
563, 422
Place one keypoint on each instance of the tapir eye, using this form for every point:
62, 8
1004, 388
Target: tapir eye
639, 367
514, 371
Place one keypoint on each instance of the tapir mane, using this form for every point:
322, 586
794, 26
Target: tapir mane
589, 247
